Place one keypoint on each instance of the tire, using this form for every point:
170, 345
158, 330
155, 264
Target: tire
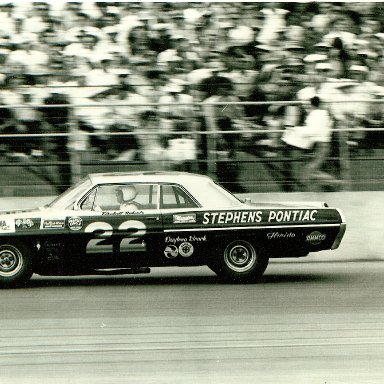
15, 264
239, 261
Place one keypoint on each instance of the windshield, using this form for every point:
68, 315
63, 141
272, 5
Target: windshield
67, 199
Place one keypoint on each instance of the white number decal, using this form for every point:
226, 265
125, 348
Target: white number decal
104, 231
125, 245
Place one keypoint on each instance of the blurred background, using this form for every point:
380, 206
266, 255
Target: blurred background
263, 97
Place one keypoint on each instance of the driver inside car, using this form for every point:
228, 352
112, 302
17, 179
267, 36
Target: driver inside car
126, 196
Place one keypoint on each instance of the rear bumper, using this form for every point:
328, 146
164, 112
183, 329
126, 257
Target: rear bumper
340, 235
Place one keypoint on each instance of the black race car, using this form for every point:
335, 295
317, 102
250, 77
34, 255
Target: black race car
122, 223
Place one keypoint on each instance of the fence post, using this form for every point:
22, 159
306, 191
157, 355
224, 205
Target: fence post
75, 160
209, 116
344, 159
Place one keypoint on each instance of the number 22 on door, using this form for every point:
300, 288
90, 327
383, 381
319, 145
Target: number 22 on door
103, 231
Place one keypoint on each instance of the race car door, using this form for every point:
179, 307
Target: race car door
121, 233
183, 244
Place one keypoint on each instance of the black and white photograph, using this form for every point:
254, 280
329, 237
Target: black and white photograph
191, 192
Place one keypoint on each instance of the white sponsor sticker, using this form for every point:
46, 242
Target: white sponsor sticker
185, 218
7, 225
52, 224
75, 223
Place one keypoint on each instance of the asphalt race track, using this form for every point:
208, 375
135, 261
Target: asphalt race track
304, 323
316, 320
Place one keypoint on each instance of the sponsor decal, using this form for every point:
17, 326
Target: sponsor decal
24, 223
171, 251
75, 223
292, 215
7, 225
315, 238
184, 218
191, 238
52, 224
280, 235
122, 213
239, 217
186, 249
272, 216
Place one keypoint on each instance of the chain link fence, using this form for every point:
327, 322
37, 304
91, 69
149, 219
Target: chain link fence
48, 155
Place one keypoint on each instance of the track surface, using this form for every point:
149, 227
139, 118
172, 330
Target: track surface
306, 322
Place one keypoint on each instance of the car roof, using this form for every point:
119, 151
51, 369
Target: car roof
182, 178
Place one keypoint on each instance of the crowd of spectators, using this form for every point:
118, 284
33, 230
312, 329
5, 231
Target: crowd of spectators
141, 81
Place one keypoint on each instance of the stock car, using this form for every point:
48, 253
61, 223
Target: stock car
179, 219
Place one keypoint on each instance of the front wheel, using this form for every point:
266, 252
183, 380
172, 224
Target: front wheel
15, 264
240, 262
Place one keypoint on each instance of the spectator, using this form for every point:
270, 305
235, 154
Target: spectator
92, 117
312, 140
16, 93
179, 123
102, 73
87, 44
38, 19
33, 61
241, 70
57, 120
160, 40
11, 146
181, 53
175, 105
212, 84
274, 22
156, 79
83, 46
362, 92
138, 41
222, 144
152, 143
374, 139
287, 82
125, 107
339, 58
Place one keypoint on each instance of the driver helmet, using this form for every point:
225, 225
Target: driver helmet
129, 192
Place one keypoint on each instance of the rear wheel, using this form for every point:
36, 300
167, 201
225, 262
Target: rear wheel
15, 264
240, 262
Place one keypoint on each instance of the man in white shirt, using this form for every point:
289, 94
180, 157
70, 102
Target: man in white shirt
313, 139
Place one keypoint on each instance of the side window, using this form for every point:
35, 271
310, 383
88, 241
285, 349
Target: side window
88, 202
127, 197
147, 195
174, 197
106, 199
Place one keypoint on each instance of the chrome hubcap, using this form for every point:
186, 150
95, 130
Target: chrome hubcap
240, 257
10, 261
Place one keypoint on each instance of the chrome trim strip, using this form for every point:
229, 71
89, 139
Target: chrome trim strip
254, 227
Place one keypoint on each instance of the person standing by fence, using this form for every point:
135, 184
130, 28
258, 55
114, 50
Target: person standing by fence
312, 143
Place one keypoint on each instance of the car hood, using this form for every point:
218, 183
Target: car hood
31, 212
19, 211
